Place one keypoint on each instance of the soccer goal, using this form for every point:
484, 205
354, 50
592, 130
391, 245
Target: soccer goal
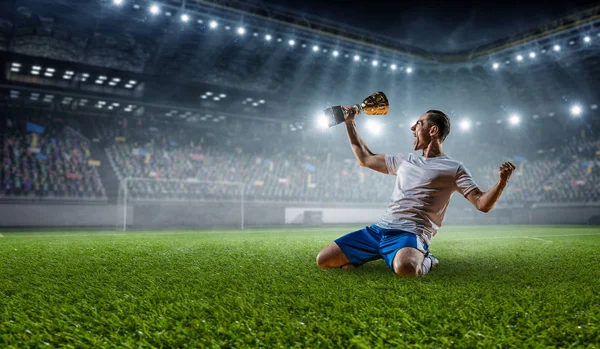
179, 203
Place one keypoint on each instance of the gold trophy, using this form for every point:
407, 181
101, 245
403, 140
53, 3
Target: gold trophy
375, 104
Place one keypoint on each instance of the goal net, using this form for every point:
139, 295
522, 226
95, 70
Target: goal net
149, 203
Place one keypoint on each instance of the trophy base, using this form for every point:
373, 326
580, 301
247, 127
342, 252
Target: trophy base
334, 115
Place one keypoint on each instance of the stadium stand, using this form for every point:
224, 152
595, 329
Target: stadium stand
286, 173
47, 160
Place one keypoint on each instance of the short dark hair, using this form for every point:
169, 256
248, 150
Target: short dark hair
441, 120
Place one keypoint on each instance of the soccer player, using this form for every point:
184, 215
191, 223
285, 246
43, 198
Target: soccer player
419, 200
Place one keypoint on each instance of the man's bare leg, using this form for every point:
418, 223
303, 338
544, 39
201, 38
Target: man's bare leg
412, 262
408, 262
332, 256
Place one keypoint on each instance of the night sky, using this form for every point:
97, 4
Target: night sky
435, 25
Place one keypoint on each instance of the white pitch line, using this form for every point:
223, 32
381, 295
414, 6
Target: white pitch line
537, 237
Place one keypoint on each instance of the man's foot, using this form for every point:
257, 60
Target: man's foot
429, 263
434, 261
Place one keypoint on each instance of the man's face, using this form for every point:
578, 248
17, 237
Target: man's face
421, 132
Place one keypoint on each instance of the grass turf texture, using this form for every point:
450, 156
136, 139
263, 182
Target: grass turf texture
496, 286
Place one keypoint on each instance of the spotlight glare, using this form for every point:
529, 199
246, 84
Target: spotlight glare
322, 122
292, 42
465, 125
315, 48
556, 48
335, 53
213, 24
374, 127
185, 18
374, 63
154, 9
519, 58
118, 2
576, 110
409, 70
356, 58
268, 37
393, 67
532, 55
241, 31
587, 39
496, 66
514, 119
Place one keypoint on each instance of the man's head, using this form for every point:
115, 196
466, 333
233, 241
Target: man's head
433, 126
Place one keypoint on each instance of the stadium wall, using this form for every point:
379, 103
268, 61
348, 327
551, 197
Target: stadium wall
211, 214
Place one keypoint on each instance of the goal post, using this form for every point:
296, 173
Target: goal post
158, 197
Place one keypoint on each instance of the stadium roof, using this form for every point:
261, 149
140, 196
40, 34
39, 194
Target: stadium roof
436, 26
176, 62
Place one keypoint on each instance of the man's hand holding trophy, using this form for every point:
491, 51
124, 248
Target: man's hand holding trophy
375, 104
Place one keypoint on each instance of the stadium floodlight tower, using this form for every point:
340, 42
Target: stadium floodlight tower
179, 205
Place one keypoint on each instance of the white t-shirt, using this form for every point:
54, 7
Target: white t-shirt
422, 192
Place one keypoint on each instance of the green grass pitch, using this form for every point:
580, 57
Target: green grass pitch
497, 286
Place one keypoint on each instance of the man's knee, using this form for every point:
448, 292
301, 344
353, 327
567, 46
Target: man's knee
332, 257
407, 268
407, 262
322, 260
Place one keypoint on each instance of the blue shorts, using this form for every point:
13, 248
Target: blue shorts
374, 242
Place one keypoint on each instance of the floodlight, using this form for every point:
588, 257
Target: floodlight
556, 48
519, 58
321, 121
118, 2
576, 110
241, 31
496, 66
587, 39
514, 119
185, 18
532, 55
335, 53
356, 58
374, 127
374, 63
214, 25
409, 70
465, 125
393, 67
268, 37
292, 42
315, 48
154, 9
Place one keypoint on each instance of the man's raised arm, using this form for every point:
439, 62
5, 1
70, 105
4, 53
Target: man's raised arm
484, 201
363, 154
